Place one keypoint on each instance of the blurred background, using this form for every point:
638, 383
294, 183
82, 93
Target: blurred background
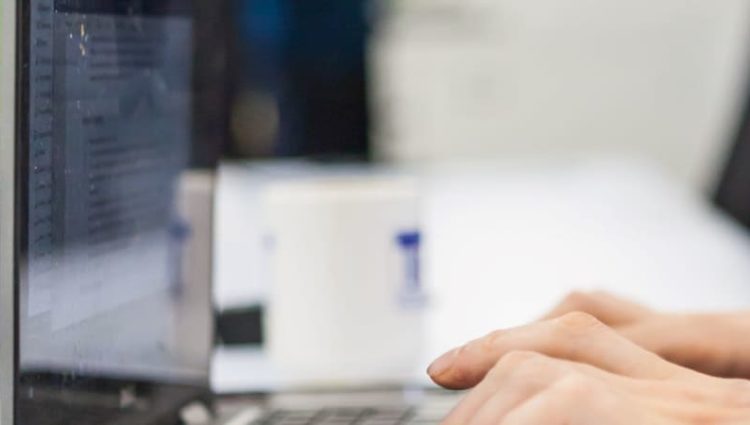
432, 80
561, 144
300, 79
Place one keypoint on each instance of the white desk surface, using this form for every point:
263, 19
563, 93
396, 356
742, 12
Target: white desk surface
505, 242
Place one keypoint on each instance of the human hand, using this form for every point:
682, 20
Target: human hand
574, 370
716, 344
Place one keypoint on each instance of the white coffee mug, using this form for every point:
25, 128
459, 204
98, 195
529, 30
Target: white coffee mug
346, 305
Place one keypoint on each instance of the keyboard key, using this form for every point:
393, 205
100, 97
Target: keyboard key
387, 415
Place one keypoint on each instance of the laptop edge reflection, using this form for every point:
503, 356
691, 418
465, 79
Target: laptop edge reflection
7, 203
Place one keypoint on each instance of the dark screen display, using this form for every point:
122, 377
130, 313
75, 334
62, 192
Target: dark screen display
106, 319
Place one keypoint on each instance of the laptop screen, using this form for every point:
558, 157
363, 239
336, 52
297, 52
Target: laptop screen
107, 306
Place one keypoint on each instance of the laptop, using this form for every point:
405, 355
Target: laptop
105, 216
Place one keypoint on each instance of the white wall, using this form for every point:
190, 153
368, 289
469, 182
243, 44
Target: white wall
485, 78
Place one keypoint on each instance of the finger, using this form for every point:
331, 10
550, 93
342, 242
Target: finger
699, 389
577, 337
578, 399
516, 377
547, 407
697, 342
541, 409
520, 376
608, 308
503, 403
575, 400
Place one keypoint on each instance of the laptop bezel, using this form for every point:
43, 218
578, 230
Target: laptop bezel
8, 233
14, 79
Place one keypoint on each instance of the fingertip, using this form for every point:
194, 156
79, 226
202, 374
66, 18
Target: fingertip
440, 371
450, 381
447, 372
443, 363
451, 386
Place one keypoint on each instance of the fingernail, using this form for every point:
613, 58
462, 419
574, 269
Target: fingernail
443, 363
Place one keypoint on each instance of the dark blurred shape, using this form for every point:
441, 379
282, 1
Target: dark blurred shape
211, 89
733, 194
240, 326
299, 79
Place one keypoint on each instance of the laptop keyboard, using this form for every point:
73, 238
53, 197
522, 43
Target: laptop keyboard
352, 416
